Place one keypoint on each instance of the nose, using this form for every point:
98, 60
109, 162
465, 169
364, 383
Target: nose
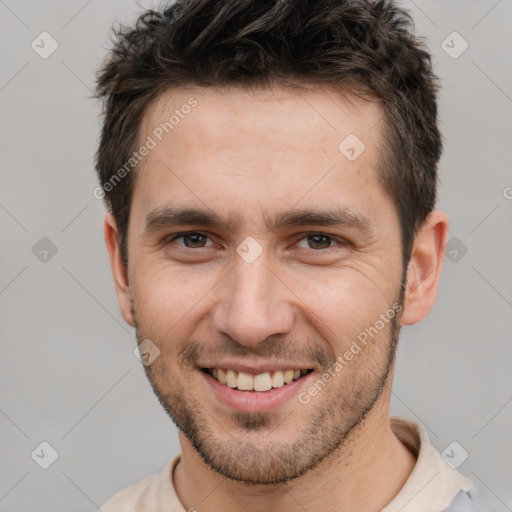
254, 303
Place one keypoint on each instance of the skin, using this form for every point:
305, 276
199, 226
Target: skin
249, 156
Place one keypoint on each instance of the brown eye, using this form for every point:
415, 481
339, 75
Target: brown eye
317, 241
192, 240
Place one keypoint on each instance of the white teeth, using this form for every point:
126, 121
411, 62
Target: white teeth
231, 378
288, 376
278, 379
221, 376
245, 382
261, 382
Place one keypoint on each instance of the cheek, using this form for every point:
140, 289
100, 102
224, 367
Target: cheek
342, 305
167, 301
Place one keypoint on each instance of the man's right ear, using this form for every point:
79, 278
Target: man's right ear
118, 271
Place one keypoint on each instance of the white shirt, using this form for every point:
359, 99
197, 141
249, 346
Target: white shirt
431, 487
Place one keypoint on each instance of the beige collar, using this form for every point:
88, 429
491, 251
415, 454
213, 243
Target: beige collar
433, 484
431, 487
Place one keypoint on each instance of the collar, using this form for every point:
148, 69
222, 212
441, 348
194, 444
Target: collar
433, 484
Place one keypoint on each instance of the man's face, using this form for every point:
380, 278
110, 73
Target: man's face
274, 287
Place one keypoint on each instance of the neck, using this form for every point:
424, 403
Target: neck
373, 458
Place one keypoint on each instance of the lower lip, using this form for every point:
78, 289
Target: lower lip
255, 401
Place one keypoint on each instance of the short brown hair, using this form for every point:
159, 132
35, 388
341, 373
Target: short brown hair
358, 46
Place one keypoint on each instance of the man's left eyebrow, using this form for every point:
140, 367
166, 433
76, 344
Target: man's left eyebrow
341, 217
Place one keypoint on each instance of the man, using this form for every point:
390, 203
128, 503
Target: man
270, 174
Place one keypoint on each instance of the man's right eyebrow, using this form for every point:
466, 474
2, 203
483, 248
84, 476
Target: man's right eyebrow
168, 216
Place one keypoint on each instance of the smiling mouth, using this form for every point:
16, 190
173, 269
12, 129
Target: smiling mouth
262, 382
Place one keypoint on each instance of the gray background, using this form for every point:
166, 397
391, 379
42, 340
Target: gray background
67, 372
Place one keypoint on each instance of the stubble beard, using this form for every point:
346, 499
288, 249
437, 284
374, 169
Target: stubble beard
330, 424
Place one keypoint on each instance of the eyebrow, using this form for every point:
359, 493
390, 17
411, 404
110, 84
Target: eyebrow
168, 216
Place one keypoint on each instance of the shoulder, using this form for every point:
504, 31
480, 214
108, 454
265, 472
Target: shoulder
129, 498
148, 494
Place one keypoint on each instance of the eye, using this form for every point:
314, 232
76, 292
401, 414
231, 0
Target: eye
191, 240
319, 241
198, 240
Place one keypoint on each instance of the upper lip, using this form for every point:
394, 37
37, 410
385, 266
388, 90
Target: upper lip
256, 369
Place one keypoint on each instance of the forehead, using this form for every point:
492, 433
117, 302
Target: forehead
292, 114
232, 148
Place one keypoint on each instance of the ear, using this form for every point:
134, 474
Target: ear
424, 270
118, 271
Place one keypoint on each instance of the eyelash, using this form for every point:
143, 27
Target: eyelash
339, 241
